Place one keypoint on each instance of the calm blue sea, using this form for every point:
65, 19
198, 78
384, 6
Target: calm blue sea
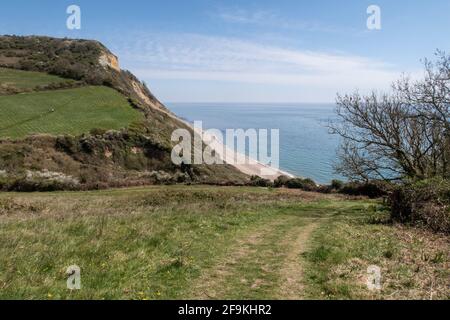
306, 147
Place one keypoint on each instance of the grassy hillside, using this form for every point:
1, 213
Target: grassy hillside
27, 79
210, 242
71, 111
68, 87
73, 59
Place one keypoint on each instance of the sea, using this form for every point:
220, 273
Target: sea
306, 147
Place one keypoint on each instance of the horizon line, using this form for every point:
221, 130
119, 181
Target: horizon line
243, 102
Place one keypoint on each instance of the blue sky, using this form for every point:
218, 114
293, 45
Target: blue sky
250, 51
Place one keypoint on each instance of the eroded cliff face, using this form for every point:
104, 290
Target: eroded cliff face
132, 85
109, 60
149, 99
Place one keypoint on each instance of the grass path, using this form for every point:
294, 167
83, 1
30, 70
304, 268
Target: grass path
265, 262
292, 283
213, 282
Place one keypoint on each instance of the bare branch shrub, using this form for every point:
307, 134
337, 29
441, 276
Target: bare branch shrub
401, 135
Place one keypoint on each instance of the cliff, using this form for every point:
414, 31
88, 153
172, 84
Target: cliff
137, 154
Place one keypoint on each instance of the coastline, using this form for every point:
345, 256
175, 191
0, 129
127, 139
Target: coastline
306, 149
240, 161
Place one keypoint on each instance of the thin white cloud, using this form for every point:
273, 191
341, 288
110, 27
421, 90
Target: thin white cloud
195, 67
198, 57
273, 20
260, 17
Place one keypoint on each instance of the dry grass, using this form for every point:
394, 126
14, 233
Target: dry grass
414, 263
196, 241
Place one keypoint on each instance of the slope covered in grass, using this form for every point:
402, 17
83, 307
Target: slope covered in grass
70, 111
27, 79
89, 91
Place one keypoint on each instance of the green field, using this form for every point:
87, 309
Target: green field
212, 243
70, 111
27, 79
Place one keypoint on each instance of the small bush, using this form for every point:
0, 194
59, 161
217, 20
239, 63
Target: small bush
337, 184
425, 202
281, 181
39, 185
257, 181
325, 189
303, 184
372, 189
97, 132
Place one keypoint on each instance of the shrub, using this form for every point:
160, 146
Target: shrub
281, 181
36, 184
425, 202
373, 189
304, 184
325, 189
162, 177
97, 132
337, 184
257, 181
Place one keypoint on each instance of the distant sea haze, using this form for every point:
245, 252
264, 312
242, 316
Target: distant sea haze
306, 147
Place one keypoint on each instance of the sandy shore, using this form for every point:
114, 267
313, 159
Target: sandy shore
242, 162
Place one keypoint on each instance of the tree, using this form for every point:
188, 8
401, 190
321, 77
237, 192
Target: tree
431, 99
404, 134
